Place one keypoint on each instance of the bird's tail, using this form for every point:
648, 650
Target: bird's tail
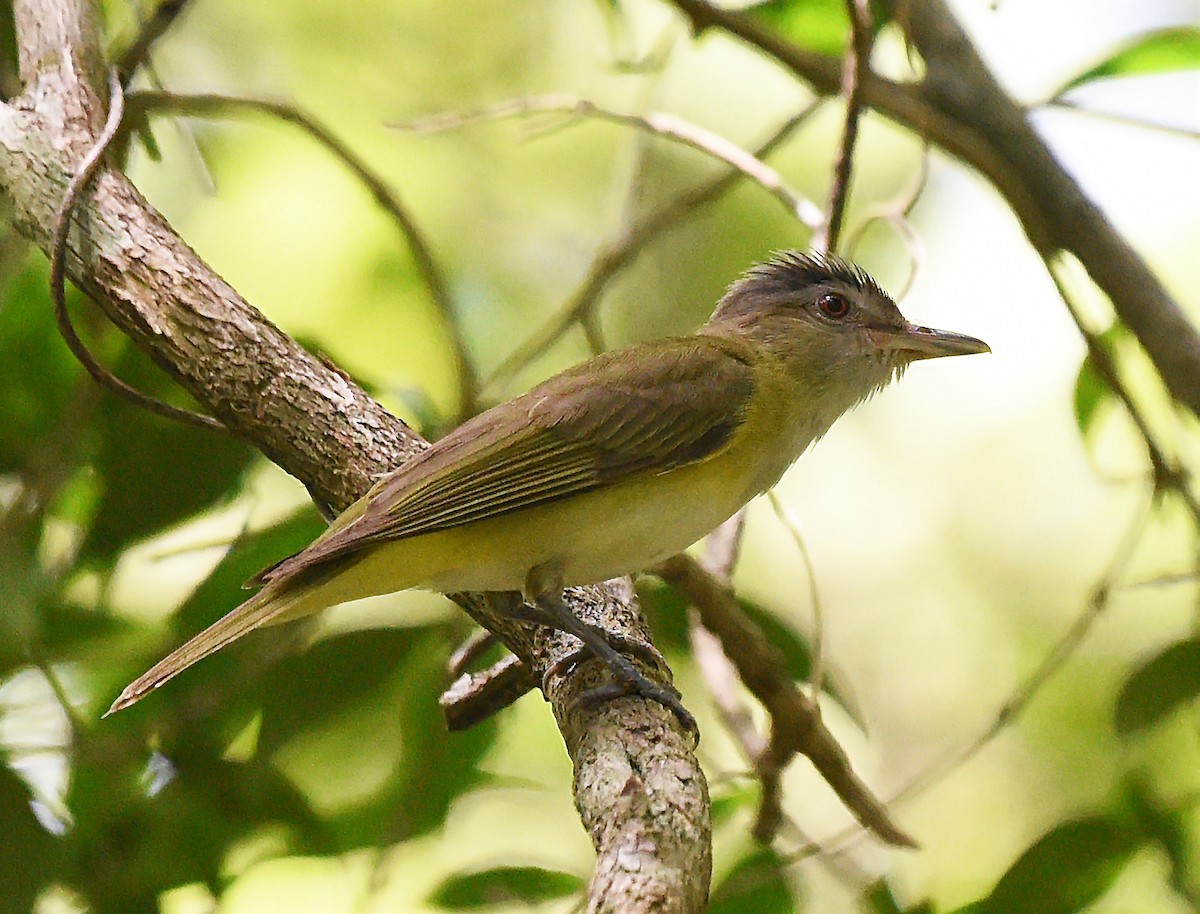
271, 604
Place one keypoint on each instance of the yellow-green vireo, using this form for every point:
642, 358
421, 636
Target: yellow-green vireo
609, 467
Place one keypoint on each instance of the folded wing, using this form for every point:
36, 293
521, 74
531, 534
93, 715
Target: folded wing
652, 409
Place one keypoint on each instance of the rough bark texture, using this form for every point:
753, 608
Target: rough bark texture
323, 429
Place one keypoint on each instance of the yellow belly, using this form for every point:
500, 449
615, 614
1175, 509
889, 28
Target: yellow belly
590, 537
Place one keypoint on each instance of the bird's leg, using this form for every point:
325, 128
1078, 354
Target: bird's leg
547, 607
530, 611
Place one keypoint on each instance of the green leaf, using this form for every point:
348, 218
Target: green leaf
732, 797
878, 899
1065, 870
1158, 687
758, 883
505, 885
222, 590
29, 855
1091, 392
1169, 828
37, 372
435, 768
128, 844
816, 25
1155, 52
668, 613
307, 689
154, 472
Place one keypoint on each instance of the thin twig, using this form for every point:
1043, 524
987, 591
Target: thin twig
1064, 104
474, 697
854, 71
622, 251
60, 694
661, 124
720, 675
163, 17
896, 213
58, 256
961, 107
1016, 704
1062, 651
791, 523
217, 105
1169, 475
723, 547
793, 715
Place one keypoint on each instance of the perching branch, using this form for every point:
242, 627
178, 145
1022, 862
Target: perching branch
651, 823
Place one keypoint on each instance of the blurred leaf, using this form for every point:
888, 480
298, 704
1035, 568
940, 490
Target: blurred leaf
758, 883
154, 472
734, 797
671, 625
126, 846
436, 766
64, 626
1169, 828
1158, 687
1155, 52
878, 899
504, 885
37, 372
23, 586
307, 689
1091, 392
29, 854
817, 25
1065, 870
222, 590
669, 615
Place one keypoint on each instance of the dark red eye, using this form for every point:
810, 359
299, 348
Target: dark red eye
833, 306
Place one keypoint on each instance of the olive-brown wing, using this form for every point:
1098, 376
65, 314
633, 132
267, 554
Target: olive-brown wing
649, 409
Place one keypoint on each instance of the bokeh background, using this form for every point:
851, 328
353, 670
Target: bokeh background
958, 523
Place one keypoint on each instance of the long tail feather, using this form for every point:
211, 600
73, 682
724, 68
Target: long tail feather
265, 607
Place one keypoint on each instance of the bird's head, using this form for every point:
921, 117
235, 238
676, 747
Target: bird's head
830, 325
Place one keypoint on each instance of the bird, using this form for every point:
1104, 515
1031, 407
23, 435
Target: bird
607, 468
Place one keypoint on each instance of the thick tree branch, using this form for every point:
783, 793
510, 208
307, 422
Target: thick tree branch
961, 108
639, 788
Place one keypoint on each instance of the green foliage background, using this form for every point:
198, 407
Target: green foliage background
958, 523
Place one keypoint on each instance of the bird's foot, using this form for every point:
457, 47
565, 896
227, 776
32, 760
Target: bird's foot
639, 684
611, 649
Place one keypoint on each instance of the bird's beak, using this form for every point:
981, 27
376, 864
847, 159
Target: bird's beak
927, 343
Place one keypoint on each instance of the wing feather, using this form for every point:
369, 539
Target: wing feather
658, 407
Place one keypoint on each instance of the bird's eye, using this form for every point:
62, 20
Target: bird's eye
833, 306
